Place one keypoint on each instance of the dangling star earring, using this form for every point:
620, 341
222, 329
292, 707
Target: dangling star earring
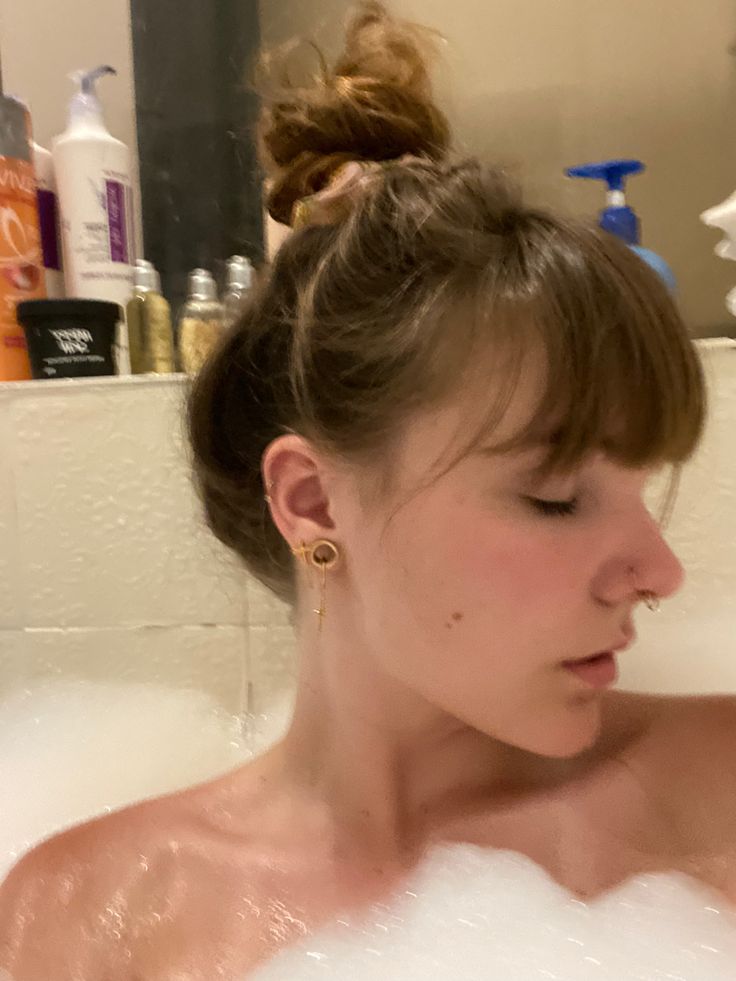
324, 556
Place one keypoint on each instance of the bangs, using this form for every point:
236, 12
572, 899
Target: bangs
620, 372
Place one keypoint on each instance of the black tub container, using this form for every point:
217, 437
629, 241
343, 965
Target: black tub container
70, 338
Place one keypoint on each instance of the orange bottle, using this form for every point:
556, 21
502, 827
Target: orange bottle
21, 261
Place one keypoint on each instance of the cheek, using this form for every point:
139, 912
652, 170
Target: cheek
469, 607
510, 565
440, 570
451, 569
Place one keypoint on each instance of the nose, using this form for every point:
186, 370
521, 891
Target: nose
647, 565
659, 571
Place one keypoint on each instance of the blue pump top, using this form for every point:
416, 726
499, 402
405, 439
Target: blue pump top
617, 217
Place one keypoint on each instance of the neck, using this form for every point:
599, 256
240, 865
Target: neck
392, 768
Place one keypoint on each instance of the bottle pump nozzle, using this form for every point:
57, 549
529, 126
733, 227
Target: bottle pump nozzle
617, 217
85, 103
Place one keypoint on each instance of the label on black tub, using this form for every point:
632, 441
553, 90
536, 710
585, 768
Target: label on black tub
66, 350
72, 340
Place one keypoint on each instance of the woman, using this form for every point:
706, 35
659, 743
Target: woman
431, 432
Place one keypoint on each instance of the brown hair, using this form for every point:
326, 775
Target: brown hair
374, 104
437, 267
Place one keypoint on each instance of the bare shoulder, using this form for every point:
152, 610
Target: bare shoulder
685, 756
701, 735
701, 727
112, 897
688, 739
68, 908
57, 905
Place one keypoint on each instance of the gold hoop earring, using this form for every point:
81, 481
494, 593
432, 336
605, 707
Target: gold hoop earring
324, 556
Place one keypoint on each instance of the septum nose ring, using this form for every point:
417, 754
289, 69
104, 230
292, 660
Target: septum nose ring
647, 596
650, 600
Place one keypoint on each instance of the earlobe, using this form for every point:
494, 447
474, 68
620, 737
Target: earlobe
296, 481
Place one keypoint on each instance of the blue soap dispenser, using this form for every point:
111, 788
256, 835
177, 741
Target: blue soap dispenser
617, 217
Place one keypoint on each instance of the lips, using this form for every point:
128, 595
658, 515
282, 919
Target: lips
624, 641
620, 645
598, 671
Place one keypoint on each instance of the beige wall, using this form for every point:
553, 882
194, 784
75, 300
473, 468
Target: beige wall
544, 84
42, 41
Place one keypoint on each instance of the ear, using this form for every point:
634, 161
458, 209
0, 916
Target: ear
298, 480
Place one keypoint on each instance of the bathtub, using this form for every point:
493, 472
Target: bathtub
135, 655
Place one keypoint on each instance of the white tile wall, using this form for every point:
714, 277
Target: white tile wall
11, 612
109, 528
107, 572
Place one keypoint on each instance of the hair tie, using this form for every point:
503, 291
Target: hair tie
348, 184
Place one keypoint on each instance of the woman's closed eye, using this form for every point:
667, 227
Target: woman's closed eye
553, 508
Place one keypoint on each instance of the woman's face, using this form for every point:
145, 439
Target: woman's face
480, 585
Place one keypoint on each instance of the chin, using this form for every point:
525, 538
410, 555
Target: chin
579, 732
566, 734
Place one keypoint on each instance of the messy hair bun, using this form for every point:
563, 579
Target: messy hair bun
374, 104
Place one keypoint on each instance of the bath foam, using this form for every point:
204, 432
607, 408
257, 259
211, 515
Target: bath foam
72, 750
472, 914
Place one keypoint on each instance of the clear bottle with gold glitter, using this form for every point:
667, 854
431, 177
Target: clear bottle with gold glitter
150, 334
201, 322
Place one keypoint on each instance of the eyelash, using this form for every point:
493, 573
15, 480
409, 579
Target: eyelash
554, 509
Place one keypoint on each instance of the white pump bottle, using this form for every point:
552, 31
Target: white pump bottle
723, 216
93, 176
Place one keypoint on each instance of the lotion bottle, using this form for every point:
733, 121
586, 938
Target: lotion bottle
93, 176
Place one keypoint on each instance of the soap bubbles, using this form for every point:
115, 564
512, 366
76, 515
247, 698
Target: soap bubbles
472, 914
74, 749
